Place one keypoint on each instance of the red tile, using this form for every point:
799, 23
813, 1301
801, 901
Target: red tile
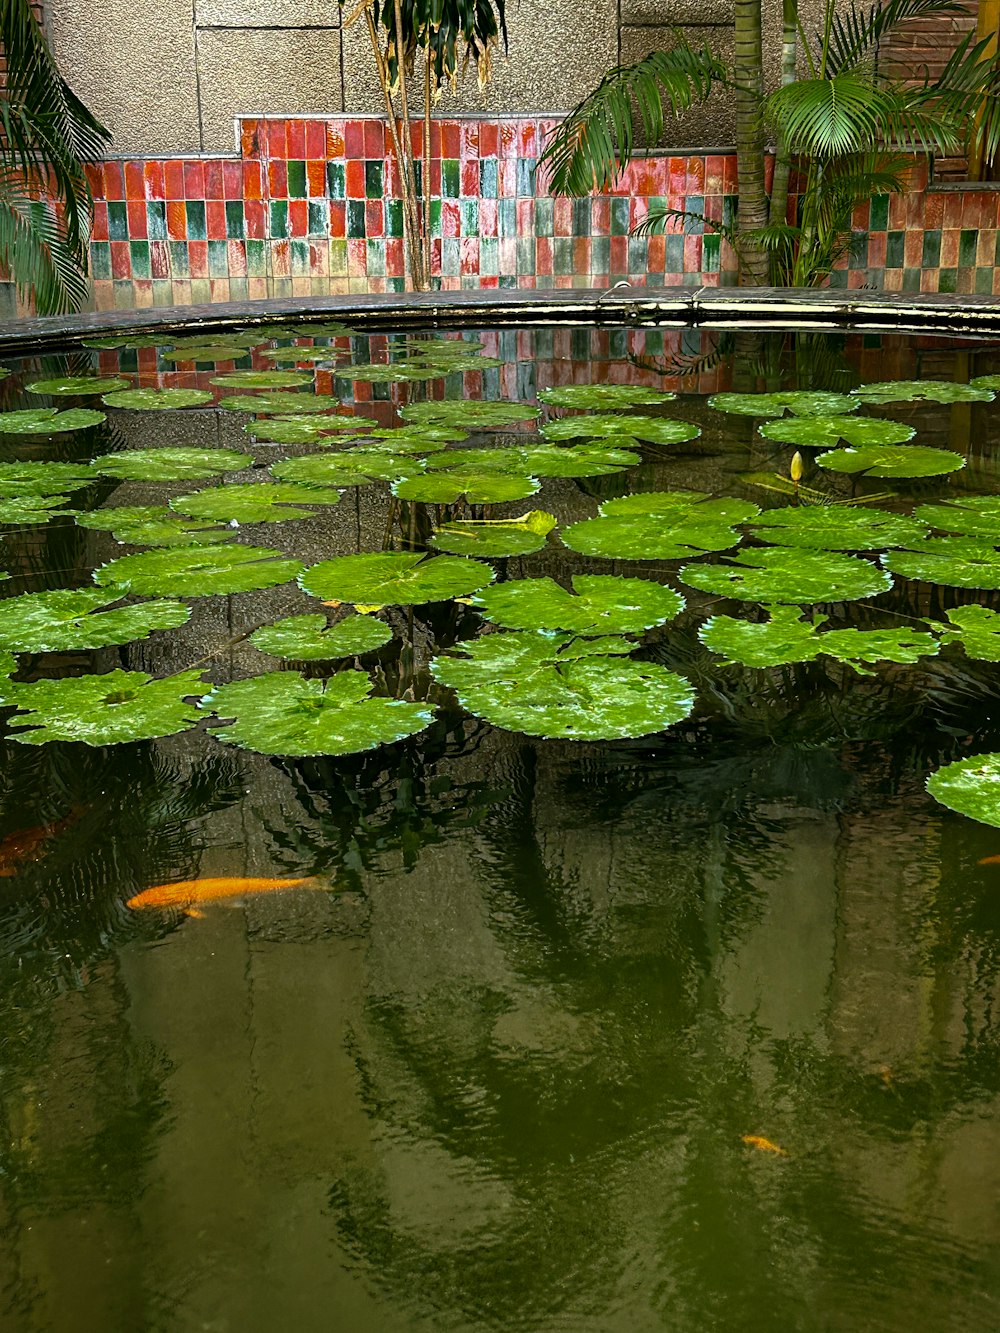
236, 252
677, 176
355, 176
198, 258
254, 219
952, 210
562, 217
470, 178
298, 217
281, 259
715, 174
768, 174
99, 221
692, 254
296, 139
338, 217
394, 257
276, 138
600, 217
194, 180
374, 138
489, 140
913, 249
232, 180
316, 178
176, 220
250, 137
508, 139
334, 142
159, 259
489, 284
469, 139
713, 207
543, 256
451, 218
934, 211
136, 221
949, 249
357, 257
527, 139
121, 260
213, 179
525, 211
253, 186
114, 181
374, 217
731, 175
656, 256
450, 139
507, 178
488, 217
877, 247
215, 220
155, 180
354, 139
696, 175
315, 138
135, 181
469, 256
582, 254
277, 179
95, 177
637, 210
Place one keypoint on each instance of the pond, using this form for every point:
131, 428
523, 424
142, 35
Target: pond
508, 897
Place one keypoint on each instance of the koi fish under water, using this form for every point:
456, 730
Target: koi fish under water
186, 895
988, 861
29, 844
763, 1145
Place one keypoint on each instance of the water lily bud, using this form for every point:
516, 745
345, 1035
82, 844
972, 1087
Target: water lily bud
796, 468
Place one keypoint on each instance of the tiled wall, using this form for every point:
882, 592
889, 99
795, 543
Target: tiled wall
311, 207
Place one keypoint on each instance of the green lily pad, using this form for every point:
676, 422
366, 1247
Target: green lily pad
150, 525
631, 426
786, 638
800, 402
48, 420
430, 434
956, 562
31, 478
836, 528
313, 639
207, 353
369, 463
330, 328
77, 386
985, 382
391, 578
604, 397
915, 391
326, 470
400, 444
199, 571
978, 631
826, 431
535, 684
128, 340
109, 709
970, 787
279, 403
260, 502
297, 354
776, 574
968, 516
306, 429
660, 525
443, 348
887, 460
599, 604
472, 413
8, 663
544, 460
283, 713
170, 464
262, 379
495, 539
396, 372
446, 488
154, 400
29, 510
64, 620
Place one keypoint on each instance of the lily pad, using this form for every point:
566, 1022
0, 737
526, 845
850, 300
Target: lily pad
48, 420
8, 663
396, 372
27, 510
836, 528
65, 620
978, 631
544, 460
956, 562
391, 578
786, 638
129, 340
660, 525
776, 574
472, 413
282, 713
415, 434
826, 431
260, 502
915, 391
969, 516
109, 709
970, 787
604, 397
399, 444
297, 354
313, 639
535, 684
157, 400
446, 488
887, 460
77, 386
207, 353
495, 539
599, 604
150, 525
632, 426
199, 571
371, 464
306, 429
262, 379
330, 328
279, 403
38, 478
326, 470
800, 402
170, 464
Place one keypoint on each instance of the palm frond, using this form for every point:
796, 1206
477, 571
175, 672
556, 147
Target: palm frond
823, 117
857, 33
658, 216
35, 252
596, 141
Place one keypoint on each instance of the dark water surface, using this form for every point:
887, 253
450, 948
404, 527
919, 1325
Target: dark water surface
503, 1067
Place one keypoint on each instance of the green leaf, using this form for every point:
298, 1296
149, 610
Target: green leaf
66, 620
786, 638
391, 578
471, 413
199, 571
826, 431
305, 429
915, 391
398, 372
398, 444
150, 525
77, 385
48, 420
297, 354
30, 509
129, 340
970, 516
495, 539
529, 683
170, 464
313, 639
544, 460
985, 382
208, 352
279, 403
957, 562
262, 379
259, 502
603, 426
660, 525
800, 402
331, 328
327, 470
31, 478
283, 713
978, 631
836, 528
8, 663
153, 400
599, 604
429, 435
970, 787
447, 488
108, 709
888, 460
779, 575
604, 397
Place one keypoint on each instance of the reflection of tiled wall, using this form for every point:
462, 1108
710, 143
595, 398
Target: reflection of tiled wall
311, 207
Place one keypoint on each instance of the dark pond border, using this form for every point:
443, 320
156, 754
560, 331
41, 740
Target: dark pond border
679, 307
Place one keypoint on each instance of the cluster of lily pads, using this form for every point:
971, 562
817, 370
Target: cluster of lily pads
551, 662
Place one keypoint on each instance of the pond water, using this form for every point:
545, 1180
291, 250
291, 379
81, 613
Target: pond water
695, 1028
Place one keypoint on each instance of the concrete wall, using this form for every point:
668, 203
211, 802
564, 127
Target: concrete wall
169, 76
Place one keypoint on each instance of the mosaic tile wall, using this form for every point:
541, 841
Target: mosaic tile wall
310, 207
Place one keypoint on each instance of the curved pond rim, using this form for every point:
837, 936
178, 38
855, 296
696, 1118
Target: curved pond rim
791, 308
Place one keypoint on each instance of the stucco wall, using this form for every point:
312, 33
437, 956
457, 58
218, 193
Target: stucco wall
170, 76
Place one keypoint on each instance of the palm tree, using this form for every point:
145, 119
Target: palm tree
46, 134
847, 126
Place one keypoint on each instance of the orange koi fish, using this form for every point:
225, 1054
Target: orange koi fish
988, 861
29, 844
763, 1145
186, 894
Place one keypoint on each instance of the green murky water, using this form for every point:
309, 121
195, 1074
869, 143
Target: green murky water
692, 1031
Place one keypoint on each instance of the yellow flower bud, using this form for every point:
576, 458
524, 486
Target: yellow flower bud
797, 467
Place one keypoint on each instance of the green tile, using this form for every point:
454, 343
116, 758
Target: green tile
156, 220
376, 258
163, 293
373, 180
218, 259
279, 288
201, 291
507, 282
562, 256
451, 256
582, 216
894, 246
693, 226
984, 280
710, 252
525, 178
931, 256
544, 216
488, 178
296, 180
435, 218
638, 254
100, 261
394, 217
124, 294
336, 180
674, 261
319, 217
195, 210
179, 264
948, 280
526, 256
239, 289
235, 221
878, 217
117, 222
507, 218
600, 254
619, 217
967, 244
298, 256
911, 280
838, 278
256, 259
356, 218
338, 256
395, 284
469, 213
489, 256
450, 178
730, 204
139, 252
278, 229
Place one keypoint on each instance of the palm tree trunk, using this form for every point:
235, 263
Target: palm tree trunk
426, 181
753, 201
407, 167
782, 151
